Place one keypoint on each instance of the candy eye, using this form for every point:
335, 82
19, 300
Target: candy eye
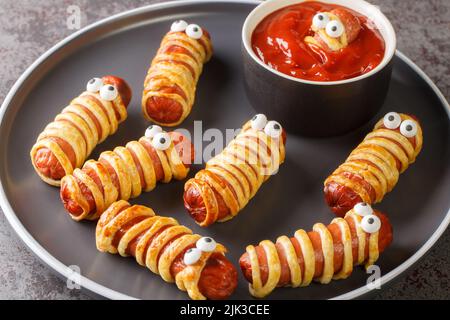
273, 129
206, 244
152, 130
108, 92
194, 31
94, 85
259, 122
392, 120
161, 141
408, 128
320, 20
334, 29
363, 209
370, 223
179, 26
192, 256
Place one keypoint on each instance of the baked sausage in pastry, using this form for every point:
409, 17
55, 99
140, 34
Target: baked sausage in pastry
126, 172
233, 177
196, 264
169, 87
326, 253
88, 120
373, 168
334, 30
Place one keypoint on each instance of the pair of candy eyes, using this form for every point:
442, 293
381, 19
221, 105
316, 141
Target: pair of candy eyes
408, 128
192, 30
160, 139
205, 244
370, 223
108, 92
271, 128
333, 28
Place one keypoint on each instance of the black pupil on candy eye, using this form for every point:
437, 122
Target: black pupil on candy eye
208, 239
195, 29
364, 204
254, 118
276, 126
92, 81
111, 88
162, 140
320, 17
334, 28
370, 220
189, 251
409, 127
391, 118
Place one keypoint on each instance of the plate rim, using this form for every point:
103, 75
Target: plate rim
106, 292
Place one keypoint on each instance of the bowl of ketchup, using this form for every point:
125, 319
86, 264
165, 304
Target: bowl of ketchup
320, 68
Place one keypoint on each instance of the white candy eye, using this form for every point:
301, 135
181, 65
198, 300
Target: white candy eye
108, 92
192, 256
334, 29
408, 128
392, 120
94, 85
273, 129
194, 31
259, 122
179, 26
152, 130
206, 244
370, 223
320, 20
161, 141
363, 209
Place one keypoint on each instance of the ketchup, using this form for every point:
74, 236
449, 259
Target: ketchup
278, 41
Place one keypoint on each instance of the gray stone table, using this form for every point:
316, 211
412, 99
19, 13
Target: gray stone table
30, 27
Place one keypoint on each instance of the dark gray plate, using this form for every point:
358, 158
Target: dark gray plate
123, 45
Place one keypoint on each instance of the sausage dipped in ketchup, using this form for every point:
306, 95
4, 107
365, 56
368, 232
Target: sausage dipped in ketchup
318, 42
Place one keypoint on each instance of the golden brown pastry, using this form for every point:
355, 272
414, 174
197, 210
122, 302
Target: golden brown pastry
196, 264
126, 172
88, 120
169, 88
233, 177
326, 253
373, 168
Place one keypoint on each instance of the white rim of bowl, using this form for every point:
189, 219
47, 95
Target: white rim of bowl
101, 290
270, 6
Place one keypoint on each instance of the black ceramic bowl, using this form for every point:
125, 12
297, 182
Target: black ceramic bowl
314, 108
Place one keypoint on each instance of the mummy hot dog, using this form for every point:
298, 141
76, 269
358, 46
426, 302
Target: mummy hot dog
233, 177
334, 30
169, 88
373, 168
326, 253
196, 264
88, 120
126, 172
